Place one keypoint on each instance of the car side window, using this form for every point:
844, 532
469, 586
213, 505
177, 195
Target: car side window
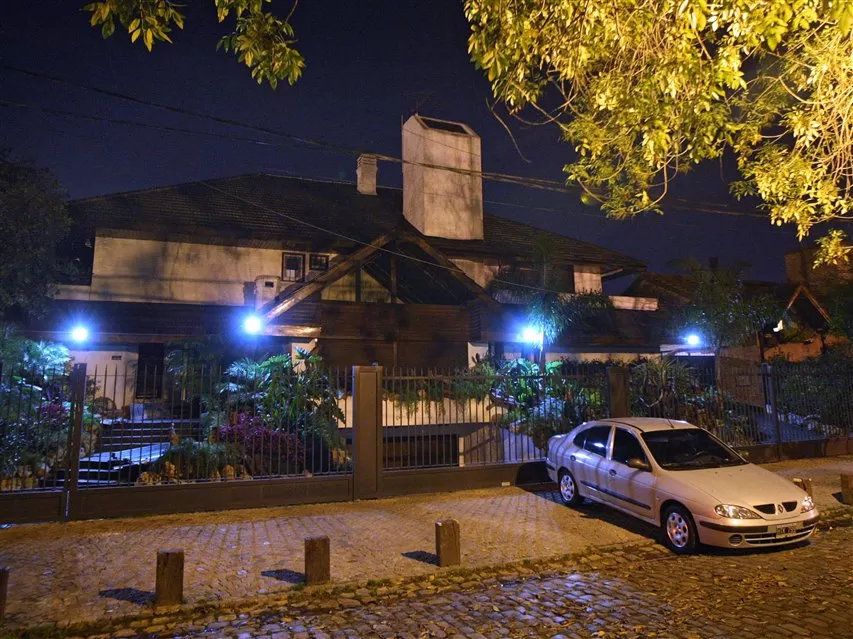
596, 440
626, 446
580, 437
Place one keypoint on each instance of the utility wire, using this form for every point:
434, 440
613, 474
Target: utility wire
538, 183
238, 138
349, 238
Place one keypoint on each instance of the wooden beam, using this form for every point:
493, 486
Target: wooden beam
451, 268
319, 283
284, 330
394, 276
805, 291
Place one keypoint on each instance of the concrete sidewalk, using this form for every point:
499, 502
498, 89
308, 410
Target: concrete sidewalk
83, 571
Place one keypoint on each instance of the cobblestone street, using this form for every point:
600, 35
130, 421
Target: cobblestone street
97, 571
806, 591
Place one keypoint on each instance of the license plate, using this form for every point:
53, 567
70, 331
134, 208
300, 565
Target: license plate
786, 531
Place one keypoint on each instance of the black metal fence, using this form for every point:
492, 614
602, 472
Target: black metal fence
202, 424
124, 427
748, 404
467, 418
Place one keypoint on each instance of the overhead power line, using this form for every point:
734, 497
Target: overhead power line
528, 182
349, 238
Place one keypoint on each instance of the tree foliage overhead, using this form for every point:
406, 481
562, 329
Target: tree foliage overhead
33, 222
259, 39
646, 89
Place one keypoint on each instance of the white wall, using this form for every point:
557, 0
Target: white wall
587, 278
437, 201
116, 379
136, 270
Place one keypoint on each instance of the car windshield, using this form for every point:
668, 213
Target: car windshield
689, 449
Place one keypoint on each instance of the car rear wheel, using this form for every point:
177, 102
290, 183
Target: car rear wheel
569, 489
679, 531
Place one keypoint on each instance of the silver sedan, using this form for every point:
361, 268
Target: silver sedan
680, 477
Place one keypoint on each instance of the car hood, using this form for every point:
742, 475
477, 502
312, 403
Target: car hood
747, 485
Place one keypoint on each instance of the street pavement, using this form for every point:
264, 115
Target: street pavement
806, 591
104, 570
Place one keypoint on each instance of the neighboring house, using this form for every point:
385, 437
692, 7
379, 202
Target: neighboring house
799, 333
357, 273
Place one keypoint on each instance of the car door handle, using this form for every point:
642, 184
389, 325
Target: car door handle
612, 473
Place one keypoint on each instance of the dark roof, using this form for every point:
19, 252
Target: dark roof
140, 318
678, 289
674, 291
287, 210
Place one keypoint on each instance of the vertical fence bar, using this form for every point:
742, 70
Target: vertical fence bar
72, 471
771, 388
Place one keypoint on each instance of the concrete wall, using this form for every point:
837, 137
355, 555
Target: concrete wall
136, 270
587, 278
436, 201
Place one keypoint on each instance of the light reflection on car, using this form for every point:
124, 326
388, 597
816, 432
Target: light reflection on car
681, 478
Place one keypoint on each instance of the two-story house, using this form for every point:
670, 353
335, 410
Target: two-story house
356, 272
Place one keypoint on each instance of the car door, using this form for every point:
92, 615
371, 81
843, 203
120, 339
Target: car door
589, 459
629, 489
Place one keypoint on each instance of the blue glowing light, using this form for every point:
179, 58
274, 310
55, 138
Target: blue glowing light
693, 340
79, 333
252, 325
532, 335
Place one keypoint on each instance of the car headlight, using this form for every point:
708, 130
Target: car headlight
735, 512
808, 504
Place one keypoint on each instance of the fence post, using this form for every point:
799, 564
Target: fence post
770, 390
4, 591
619, 396
367, 440
75, 437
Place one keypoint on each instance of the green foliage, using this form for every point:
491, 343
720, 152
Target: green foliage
197, 460
542, 405
719, 308
840, 309
815, 393
669, 388
260, 40
33, 222
290, 394
645, 90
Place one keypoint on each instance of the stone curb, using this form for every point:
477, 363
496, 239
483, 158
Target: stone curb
306, 600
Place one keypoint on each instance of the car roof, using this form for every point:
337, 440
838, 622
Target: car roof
648, 424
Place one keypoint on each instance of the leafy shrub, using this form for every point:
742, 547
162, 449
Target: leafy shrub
262, 450
196, 460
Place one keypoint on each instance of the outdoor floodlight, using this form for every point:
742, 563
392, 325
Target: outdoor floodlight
693, 340
532, 335
252, 324
79, 334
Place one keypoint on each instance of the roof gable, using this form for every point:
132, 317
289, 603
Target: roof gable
320, 214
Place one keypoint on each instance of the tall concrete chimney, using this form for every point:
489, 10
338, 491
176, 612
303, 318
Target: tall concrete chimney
442, 178
365, 174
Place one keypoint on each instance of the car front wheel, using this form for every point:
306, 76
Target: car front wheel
569, 489
679, 531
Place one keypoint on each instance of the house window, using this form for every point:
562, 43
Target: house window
149, 371
318, 262
292, 267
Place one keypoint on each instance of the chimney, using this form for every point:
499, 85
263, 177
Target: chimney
365, 174
442, 178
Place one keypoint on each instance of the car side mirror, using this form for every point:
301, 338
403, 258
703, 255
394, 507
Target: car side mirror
639, 464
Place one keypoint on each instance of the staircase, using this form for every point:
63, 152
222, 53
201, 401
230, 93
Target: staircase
126, 449
124, 435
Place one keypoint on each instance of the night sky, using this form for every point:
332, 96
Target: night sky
370, 65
